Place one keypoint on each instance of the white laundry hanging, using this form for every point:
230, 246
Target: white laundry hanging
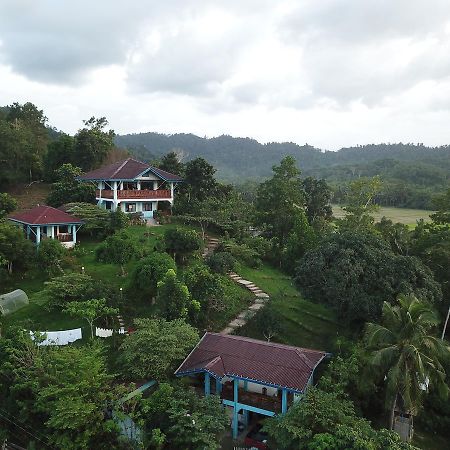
58, 337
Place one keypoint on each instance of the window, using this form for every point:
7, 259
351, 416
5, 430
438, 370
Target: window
147, 206
130, 207
63, 228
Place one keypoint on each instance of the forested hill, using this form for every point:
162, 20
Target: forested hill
244, 158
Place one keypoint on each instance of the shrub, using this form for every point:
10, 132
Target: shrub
145, 277
221, 262
181, 242
50, 254
73, 287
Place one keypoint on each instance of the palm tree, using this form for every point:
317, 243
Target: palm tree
404, 353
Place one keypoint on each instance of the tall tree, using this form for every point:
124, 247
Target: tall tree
317, 200
31, 121
406, 355
279, 200
60, 151
67, 188
93, 143
360, 204
171, 163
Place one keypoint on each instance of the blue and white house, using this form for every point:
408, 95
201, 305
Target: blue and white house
251, 376
133, 186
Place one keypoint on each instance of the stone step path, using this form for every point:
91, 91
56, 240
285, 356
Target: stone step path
260, 296
210, 247
121, 323
259, 302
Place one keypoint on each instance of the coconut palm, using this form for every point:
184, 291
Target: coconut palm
404, 353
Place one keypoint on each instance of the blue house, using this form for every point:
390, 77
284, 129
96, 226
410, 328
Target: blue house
251, 376
133, 186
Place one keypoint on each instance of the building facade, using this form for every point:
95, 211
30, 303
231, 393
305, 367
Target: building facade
251, 376
45, 222
133, 187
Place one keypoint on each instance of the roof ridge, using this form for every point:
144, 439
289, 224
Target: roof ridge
44, 211
257, 341
120, 167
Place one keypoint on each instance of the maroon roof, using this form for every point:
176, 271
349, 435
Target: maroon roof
265, 362
128, 169
44, 215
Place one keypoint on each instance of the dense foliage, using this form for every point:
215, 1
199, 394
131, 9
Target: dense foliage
356, 272
413, 173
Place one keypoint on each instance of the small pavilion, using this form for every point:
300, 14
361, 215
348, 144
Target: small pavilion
45, 222
251, 376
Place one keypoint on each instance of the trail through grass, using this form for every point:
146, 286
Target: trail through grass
303, 323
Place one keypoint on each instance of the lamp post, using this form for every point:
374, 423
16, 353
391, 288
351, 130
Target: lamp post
121, 293
82, 270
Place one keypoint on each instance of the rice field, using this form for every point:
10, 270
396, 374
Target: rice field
401, 215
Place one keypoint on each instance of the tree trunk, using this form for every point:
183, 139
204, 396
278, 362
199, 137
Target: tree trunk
391, 418
92, 329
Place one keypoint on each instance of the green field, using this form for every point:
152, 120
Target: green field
303, 323
400, 215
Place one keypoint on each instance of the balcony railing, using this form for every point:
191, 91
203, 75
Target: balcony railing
144, 194
252, 399
64, 237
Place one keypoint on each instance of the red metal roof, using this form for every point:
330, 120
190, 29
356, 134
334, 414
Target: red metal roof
266, 362
44, 215
128, 169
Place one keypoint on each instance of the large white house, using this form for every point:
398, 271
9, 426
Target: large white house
133, 186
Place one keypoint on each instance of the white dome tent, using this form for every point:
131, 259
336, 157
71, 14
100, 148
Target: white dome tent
12, 302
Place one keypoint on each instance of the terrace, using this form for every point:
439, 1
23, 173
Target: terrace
143, 194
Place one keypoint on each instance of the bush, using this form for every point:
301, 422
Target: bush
7, 204
73, 287
221, 262
180, 242
145, 277
50, 254
242, 252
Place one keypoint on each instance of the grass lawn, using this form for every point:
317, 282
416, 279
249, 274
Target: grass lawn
304, 324
402, 215
35, 316
428, 441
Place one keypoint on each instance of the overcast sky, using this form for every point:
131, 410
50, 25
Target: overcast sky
330, 73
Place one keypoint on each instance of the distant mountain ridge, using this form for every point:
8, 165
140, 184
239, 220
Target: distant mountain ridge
244, 158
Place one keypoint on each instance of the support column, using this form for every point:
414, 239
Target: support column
171, 190
218, 386
38, 235
52, 232
207, 384
74, 234
138, 185
28, 231
235, 408
284, 401
155, 185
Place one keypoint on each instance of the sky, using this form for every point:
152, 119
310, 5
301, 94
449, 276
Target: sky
330, 73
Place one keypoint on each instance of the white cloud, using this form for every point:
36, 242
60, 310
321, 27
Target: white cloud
329, 72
